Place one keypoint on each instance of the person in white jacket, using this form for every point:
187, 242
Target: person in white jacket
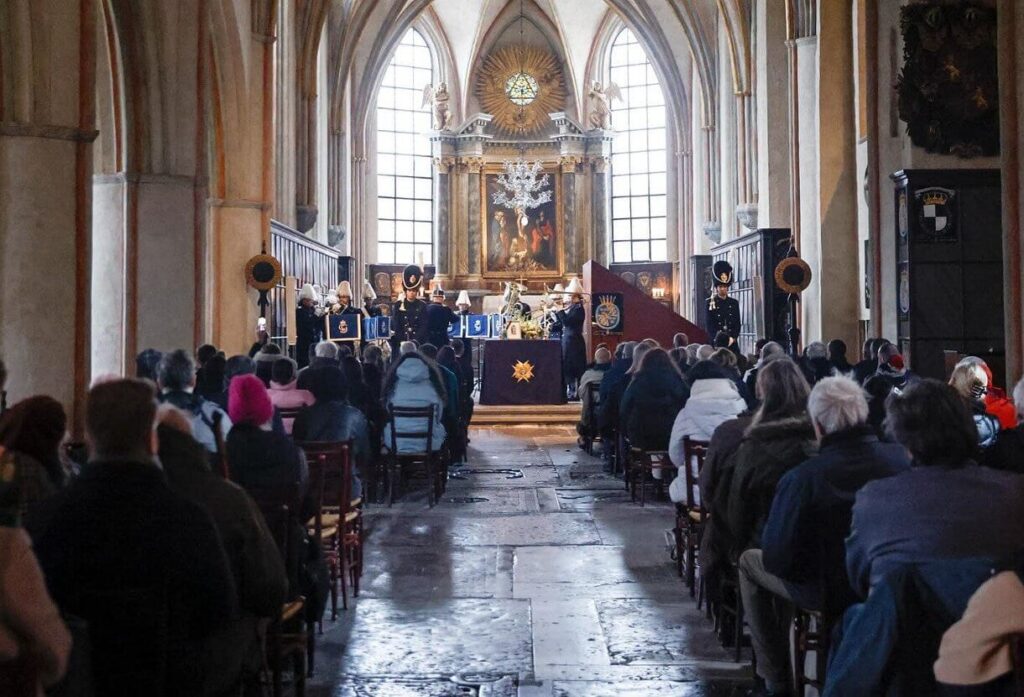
713, 400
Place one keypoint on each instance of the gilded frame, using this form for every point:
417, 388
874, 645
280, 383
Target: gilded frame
487, 210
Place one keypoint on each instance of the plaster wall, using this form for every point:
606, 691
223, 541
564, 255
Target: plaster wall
108, 279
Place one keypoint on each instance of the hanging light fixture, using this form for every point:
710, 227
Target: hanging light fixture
524, 185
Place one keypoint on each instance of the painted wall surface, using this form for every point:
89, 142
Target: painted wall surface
108, 350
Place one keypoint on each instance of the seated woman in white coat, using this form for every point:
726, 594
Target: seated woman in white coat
713, 400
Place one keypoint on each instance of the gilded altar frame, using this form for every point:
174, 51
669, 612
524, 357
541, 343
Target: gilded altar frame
487, 210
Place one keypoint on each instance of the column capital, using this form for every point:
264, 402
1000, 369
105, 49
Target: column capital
473, 164
570, 164
601, 164
444, 164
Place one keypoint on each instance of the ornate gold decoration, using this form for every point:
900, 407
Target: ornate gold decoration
263, 272
506, 86
522, 371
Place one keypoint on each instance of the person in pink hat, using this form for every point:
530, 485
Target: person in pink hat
258, 458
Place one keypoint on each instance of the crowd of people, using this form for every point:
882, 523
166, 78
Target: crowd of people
152, 528
891, 505
880, 501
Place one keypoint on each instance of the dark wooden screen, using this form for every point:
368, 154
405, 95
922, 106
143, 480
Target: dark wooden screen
763, 308
308, 261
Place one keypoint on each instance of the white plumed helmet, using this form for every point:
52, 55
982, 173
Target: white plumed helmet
575, 287
368, 292
345, 289
463, 298
308, 293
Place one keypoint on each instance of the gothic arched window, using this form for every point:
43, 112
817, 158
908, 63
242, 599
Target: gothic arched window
639, 156
405, 180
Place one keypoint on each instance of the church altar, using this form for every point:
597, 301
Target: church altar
518, 372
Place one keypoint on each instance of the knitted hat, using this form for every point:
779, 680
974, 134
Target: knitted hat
897, 362
248, 401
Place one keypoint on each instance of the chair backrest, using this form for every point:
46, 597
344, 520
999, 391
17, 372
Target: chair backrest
335, 461
694, 452
593, 400
280, 509
411, 415
289, 412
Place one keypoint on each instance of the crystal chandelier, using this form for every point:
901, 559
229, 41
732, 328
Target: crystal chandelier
524, 185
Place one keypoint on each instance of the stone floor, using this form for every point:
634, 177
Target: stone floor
534, 577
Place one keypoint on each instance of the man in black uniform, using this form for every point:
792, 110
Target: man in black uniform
369, 295
723, 311
344, 305
436, 319
407, 313
309, 324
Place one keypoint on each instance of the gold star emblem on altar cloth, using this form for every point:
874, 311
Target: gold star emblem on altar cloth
522, 371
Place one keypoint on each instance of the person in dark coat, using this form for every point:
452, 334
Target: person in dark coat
333, 419
574, 346
234, 654
910, 518
309, 324
723, 312
650, 404
802, 555
613, 385
437, 318
868, 364
118, 539
407, 313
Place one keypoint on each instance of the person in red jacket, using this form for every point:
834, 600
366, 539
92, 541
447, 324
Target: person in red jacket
996, 402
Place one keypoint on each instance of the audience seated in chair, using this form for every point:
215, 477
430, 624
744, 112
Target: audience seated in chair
211, 381
233, 654
714, 399
655, 394
119, 532
802, 555
176, 376
971, 383
415, 381
325, 353
332, 419
1007, 453
592, 376
769, 352
31, 433
612, 386
284, 391
451, 384
946, 506
447, 360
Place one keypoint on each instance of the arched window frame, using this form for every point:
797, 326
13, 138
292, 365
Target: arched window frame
404, 200
641, 207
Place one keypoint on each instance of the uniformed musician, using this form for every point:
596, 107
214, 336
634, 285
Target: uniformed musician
723, 311
369, 295
463, 304
437, 317
407, 313
309, 325
344, 304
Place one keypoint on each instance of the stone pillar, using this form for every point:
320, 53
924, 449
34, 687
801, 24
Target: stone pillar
600, 209
47, 121
837, 271
573, 238
1011, 90
442, 219
474, 233
772, 177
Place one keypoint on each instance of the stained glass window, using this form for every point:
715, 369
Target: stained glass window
405, 184
521, 89
639, 156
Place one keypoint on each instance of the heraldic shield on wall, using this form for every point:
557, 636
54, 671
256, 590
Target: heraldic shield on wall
608, 312
937, 215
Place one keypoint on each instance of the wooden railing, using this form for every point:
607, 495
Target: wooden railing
306, 260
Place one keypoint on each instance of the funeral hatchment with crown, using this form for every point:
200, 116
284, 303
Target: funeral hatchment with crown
607, 312
936, 215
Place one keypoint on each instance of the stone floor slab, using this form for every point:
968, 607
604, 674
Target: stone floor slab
430, 573
501, 530
397, 638
567, 632
503, 473
592, 572
645, 688
641, 631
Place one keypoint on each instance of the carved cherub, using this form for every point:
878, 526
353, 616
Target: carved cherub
601, 104
438, 98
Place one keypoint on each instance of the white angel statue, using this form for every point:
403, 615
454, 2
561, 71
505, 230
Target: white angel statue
438, 98
601, 104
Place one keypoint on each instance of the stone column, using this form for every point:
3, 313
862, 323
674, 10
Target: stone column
572, 237
772, 181
599, 208
837, 270
442, 220
47, 121
1011, 90
474, 233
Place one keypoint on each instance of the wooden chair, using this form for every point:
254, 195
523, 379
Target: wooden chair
428, 457
338, 524
289, 635
289, 413
730, 604
809, 634
642, 462
691, 516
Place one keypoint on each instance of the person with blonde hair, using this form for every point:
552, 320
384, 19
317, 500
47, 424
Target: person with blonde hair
971, 383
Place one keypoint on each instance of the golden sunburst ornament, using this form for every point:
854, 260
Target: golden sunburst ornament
519, 86
522, 371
